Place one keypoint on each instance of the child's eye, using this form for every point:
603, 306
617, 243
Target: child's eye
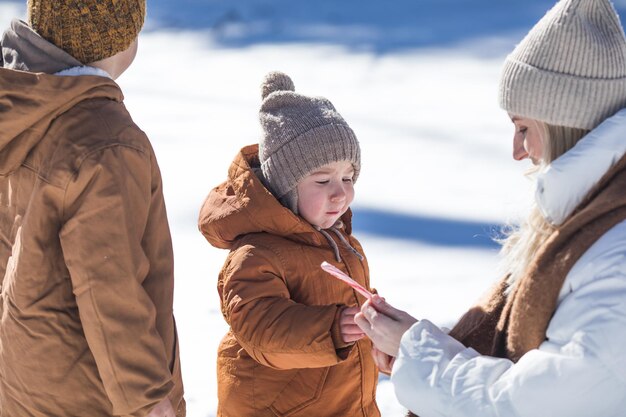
522, 130
347, 179
322, 182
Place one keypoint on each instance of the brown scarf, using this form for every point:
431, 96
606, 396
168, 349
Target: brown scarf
508, 327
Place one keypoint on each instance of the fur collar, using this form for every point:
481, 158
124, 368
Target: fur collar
83, 70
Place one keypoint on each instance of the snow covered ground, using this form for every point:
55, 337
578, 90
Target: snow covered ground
428, 154
417, 81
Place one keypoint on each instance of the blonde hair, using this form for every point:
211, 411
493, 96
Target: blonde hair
521, 243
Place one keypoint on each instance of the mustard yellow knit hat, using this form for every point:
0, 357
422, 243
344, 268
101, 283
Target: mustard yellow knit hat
89, 30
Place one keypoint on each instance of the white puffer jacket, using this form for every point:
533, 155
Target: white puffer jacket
581, 369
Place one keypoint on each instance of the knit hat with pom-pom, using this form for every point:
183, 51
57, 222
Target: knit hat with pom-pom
300, 135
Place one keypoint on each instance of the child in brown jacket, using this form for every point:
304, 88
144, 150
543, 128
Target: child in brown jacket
293, 348
86, 322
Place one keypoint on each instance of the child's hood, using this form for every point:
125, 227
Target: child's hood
31, 102
242, 205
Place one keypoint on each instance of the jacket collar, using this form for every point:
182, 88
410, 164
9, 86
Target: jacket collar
83, 70
564, 183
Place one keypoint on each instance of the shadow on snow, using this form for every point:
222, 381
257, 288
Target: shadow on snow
427, 230
372, 25
479, 27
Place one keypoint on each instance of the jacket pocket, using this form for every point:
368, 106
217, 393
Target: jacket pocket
302, 391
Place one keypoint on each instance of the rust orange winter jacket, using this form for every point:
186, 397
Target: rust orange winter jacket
283, 355
86, 323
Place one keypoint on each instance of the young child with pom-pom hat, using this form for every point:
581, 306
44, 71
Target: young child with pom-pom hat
293, 347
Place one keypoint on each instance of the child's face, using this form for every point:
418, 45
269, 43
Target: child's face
325, 194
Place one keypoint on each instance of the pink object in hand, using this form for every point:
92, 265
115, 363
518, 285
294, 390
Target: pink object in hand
340, 275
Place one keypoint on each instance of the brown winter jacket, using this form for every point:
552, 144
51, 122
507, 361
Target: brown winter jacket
86, 323
279, 358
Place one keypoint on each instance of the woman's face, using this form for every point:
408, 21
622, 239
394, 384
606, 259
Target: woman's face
528, 140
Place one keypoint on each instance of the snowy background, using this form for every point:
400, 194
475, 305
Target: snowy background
417, 81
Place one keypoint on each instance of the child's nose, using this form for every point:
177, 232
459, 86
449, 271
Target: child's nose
338, 194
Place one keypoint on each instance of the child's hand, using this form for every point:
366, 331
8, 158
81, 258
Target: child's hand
350, 332
382, 360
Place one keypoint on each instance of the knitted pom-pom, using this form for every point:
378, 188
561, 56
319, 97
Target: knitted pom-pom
276, 81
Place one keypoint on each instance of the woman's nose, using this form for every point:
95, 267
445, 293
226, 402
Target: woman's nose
519, 151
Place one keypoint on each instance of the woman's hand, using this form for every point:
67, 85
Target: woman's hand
384, 324
349, 330
383, 361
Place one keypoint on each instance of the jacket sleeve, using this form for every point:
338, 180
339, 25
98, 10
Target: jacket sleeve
274, 330
577, 372
106, 211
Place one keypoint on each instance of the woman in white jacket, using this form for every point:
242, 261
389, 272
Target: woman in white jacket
550, 338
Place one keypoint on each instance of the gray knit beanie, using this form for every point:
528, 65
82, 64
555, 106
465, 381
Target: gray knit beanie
300, 135
570, 70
